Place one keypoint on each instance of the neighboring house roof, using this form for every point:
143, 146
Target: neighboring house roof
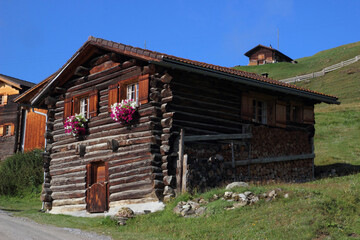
251, 51
25, 97
166, 60
15, 82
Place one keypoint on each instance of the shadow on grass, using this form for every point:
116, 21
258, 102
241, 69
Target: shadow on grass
336, 169
10, 210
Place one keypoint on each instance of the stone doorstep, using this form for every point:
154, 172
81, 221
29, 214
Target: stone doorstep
138, 208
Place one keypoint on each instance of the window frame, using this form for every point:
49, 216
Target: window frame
134, 92
3, 99
259, 117
72, 104
7, 129
84, 107
119, 90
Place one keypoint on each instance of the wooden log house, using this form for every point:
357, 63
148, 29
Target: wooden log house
183, 103
262, 55
10, 113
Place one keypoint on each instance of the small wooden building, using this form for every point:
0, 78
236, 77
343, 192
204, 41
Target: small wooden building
262, 55
32, 122
197, 122
10, 88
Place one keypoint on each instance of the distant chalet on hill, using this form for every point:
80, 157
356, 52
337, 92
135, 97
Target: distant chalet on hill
261, 55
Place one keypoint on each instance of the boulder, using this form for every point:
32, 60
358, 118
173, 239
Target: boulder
236, 184
228, 195
125, 212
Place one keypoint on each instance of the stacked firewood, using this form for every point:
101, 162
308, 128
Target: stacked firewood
270, 142
206, 173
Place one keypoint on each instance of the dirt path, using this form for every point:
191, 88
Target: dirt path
14, 228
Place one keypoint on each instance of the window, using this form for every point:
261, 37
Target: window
261, 56
7, 129
3, 100
86, 104
296, 110
136, 88
132, 92
259, 112
84, 107
293, 112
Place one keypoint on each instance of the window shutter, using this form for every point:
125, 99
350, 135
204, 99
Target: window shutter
112, 95
144, 89
5, 99
76, 106
122, 92
12, 129
93, 100
246, 107
281, 114
67, 108
309, 115
1, 130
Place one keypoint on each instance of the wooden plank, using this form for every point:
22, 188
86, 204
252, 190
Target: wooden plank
273, 159
179, 165
217, 137
184, 174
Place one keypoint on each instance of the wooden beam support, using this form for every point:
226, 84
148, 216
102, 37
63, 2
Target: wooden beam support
81, 71
217, 137
273, 159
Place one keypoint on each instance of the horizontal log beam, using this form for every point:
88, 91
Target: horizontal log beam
273, 159
217, 137
131, 194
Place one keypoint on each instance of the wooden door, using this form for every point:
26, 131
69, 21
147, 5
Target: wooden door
97, 187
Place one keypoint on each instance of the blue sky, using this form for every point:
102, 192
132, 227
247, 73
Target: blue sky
38, 37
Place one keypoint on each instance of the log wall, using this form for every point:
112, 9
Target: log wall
133, 167
201, 105
8, 115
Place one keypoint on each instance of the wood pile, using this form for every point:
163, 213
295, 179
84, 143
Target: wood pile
269, 142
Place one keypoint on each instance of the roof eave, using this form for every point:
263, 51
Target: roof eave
247, 81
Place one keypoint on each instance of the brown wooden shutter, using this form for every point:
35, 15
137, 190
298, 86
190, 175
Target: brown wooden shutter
281, 114
308, 115
12, 129
144, 89
246, 107
93, 101
122, 92
76, 106
68, 104
1, 130
5, 99
112, 95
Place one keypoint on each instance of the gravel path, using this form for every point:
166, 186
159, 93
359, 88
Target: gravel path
14, 228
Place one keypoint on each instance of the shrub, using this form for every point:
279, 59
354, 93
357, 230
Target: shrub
21, 173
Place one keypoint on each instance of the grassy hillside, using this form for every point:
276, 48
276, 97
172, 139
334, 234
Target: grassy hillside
338, 126
307, 64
